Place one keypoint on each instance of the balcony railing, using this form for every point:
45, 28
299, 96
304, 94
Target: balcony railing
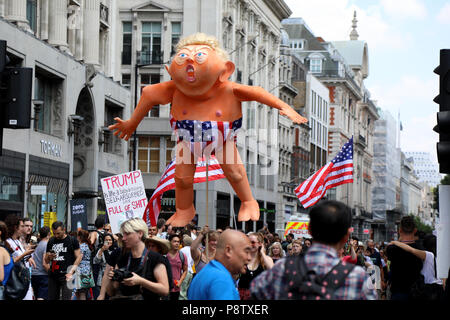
151, 57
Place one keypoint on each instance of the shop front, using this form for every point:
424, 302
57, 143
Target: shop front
47, 191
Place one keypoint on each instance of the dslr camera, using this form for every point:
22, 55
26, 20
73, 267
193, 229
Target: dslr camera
121, 274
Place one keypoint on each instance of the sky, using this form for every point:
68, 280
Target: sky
404, 38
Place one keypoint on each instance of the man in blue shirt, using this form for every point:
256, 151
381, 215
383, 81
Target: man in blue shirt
216, 280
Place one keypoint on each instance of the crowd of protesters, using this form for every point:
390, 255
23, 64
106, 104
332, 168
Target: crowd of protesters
192, 263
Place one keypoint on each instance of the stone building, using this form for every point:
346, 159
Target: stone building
340, 66
75, 96
249, 31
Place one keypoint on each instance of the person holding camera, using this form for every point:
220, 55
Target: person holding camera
259, 262
139, 273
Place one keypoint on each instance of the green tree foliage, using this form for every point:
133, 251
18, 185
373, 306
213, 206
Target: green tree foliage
422, 226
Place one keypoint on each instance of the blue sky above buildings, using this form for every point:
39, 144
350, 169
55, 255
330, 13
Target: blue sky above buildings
404, 38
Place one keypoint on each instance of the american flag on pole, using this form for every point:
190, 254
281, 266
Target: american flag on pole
167, 182
338, 171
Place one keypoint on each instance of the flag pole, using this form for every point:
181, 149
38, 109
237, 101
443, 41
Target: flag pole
207, 206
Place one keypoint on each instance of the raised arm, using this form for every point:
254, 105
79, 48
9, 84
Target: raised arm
251, 93
418, 253
160, 93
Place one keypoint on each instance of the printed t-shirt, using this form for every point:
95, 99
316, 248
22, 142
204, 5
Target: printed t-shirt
65, 254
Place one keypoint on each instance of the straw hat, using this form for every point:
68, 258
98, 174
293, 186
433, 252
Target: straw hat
163, 244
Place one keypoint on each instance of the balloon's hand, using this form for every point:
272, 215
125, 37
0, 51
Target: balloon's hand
292, 114
123, 128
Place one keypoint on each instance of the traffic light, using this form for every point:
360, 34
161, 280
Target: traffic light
16, 90
443, 116
15, 95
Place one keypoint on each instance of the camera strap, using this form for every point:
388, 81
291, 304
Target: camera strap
144, 255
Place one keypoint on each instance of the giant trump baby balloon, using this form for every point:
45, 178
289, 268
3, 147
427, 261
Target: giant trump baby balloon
205, 112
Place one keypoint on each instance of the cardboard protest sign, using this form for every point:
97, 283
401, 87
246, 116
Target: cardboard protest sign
125, 197
78, 211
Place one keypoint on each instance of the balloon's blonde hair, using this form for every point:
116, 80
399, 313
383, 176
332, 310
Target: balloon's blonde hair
202, 38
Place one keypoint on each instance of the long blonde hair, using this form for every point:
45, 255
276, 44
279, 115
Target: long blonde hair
279, 246
202, 38
260, 238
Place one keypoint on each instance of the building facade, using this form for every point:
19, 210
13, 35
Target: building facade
250, 32
75, 95
425, 168
340, 66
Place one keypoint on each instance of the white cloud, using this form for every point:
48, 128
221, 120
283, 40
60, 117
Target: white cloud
444, 14
402, 9
412, 95
332, 20
418, 135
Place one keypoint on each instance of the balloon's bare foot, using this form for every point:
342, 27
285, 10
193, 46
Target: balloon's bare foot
249, 211
182, 217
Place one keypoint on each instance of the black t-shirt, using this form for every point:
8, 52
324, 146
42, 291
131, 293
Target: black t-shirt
135, 266
65, 254
405, 268
376, 258
246, 278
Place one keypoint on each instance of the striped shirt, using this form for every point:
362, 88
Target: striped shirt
272, 285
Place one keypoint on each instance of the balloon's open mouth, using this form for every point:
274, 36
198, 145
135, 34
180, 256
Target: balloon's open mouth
190, 73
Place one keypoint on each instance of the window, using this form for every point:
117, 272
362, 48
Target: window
151, 43
126, 80
112, 144
31, 14
148, 154
126, 42
147, 79
170, 146
176, 34
315, 65
48, 89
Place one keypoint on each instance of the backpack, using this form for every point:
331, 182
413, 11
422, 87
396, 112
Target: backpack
19, 282
100, 242
181, 258
421, 291
304, 284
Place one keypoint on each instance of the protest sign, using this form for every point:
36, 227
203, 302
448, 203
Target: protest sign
49, 218
125, 197
78, 214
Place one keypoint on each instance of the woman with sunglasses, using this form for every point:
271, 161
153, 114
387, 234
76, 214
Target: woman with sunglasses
259, 262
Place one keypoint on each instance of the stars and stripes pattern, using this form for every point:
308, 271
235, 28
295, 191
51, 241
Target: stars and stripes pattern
338, 171
201, 134
167, 182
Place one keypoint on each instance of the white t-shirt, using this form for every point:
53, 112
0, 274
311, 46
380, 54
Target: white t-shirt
428, 269
18, 250
187, 251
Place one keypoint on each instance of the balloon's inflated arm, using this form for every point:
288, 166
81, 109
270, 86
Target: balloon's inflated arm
254, 93
155, 94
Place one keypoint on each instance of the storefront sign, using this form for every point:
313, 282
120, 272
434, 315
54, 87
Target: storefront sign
51, 148
125, 197
78, 216
38, 190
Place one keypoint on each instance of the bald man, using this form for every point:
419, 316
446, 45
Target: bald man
216, 280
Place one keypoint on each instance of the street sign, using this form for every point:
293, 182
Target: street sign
37, 190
